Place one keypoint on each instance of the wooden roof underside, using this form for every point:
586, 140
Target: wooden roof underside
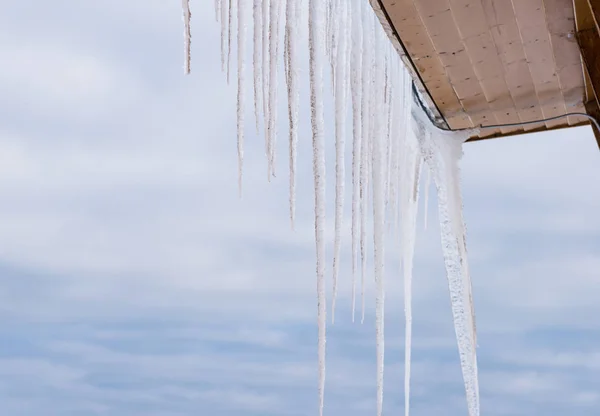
488, 62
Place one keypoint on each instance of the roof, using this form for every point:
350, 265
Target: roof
489, 62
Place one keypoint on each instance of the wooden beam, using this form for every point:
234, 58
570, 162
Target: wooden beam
589, 44
592, 108
594, 6
587, 14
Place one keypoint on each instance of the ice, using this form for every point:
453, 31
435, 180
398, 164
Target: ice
241, 44
293, 11
256, 61
442, 152
409, 196
316, 46
229, 18
339, 47
346, 37
187, 35
379, 160
366, 149
356, 82
224, 28
217, 9
426, 202
274, 19
265, 82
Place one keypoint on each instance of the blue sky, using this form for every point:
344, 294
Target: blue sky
134, 281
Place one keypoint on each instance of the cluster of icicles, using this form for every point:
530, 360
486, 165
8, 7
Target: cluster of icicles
392, 140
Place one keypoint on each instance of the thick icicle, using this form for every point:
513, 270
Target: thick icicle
442, 152
356, 77
315, 39
187, 35
293, 12
256, 62
241, 44
340, 149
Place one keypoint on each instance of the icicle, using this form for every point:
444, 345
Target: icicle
388, 129
293, 11
409, 196
187, 35
334, 39
241, 44
256, 67
340, 131
442, 152
224, 28
395, 133
229, 18
265, 82
426, 202
273, 62
378, 161
217, 9
316, 38
364, 165
356, 78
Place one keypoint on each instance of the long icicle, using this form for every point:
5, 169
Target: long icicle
229, 18
378, 161
315, 39
265, 82
364, 165
187, 15
409, 204
356, 79
273, 63
256, 62
340, 149
224, 8
442, 152
241, 44
293, 11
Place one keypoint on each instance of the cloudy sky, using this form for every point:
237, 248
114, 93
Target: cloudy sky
134, 281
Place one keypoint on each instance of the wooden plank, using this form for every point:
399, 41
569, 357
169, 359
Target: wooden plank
501, 19
569, 70
531, 21
409, 26
491, 61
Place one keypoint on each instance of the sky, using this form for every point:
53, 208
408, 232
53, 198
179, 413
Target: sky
134, 280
